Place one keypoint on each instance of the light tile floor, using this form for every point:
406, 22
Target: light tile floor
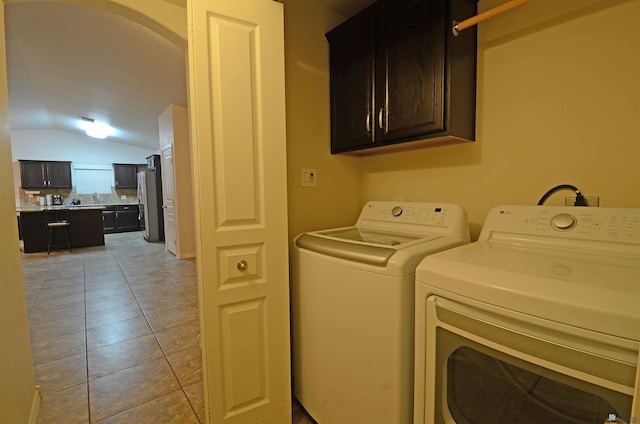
114, 333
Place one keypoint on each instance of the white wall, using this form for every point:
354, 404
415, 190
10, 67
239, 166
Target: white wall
84, 150
63, 146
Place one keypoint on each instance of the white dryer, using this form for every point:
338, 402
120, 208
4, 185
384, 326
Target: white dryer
536, 322
352, 309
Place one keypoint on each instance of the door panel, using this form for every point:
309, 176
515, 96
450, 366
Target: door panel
410, 74
168, 201
236, 69
352, 71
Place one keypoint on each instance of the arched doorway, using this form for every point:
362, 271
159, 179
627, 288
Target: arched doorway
20, 372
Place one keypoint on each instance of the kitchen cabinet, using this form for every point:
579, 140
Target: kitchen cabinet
125, 175
45, 174
400, 78
126, 218
120, 218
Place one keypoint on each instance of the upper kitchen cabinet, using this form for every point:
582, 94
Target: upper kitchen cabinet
401, 79
125, 175
45, 174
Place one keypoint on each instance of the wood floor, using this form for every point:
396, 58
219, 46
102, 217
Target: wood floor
114, 333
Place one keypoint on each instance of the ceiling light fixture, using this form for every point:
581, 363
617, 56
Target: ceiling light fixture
95, 129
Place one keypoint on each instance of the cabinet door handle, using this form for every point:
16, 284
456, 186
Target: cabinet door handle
380, 118
368, 122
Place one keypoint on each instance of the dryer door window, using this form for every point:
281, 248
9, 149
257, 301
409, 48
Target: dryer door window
491, 365
484, 389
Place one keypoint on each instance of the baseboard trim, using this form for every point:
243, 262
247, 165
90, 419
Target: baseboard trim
35, 406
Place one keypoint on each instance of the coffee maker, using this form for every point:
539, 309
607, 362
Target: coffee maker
57, 199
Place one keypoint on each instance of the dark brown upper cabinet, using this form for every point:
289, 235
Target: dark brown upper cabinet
401, 79
36, 174
125, 175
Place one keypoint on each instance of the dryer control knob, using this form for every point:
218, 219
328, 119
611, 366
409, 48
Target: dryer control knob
396, 211
563, 222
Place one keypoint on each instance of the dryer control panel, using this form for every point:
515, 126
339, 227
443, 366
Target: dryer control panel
540, 224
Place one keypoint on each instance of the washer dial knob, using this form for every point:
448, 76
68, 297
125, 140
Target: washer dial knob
396, 211
564, 222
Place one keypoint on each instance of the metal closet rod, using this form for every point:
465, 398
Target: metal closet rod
474, 20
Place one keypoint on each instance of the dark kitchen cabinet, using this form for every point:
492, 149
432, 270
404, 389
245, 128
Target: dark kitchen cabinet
45, 174
125, 175
109, 219
120, 218
400, 79
126, 218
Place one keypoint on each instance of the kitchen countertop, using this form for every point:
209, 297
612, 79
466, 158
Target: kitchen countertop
57, 208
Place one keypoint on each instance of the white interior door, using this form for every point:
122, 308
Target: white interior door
236, 88
168, 201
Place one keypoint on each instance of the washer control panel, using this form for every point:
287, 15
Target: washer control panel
416, 218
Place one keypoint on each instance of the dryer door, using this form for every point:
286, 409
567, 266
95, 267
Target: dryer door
491, 365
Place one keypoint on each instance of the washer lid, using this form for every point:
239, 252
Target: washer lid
359, 245
357, 252
370, 236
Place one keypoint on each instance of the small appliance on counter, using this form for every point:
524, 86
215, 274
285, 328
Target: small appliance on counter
57, 199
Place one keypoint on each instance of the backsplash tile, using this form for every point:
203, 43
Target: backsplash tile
113, 198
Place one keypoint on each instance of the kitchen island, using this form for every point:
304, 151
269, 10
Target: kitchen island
85, 226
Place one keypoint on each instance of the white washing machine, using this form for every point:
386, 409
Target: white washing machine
352, 310
536, 322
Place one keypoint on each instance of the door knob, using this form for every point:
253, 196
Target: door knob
242, 265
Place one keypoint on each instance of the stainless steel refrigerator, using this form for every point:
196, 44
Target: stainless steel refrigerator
150, 200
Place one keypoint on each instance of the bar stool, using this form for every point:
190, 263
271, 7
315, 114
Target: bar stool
56, 222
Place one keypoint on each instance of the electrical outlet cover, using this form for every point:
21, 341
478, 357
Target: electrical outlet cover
309, 177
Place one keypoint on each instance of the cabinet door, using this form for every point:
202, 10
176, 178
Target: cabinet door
126, 218
59, 174
125, 175
410, 70
352, 67
33, 174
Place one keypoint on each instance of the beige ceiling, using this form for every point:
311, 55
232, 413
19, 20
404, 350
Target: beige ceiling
65, 61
